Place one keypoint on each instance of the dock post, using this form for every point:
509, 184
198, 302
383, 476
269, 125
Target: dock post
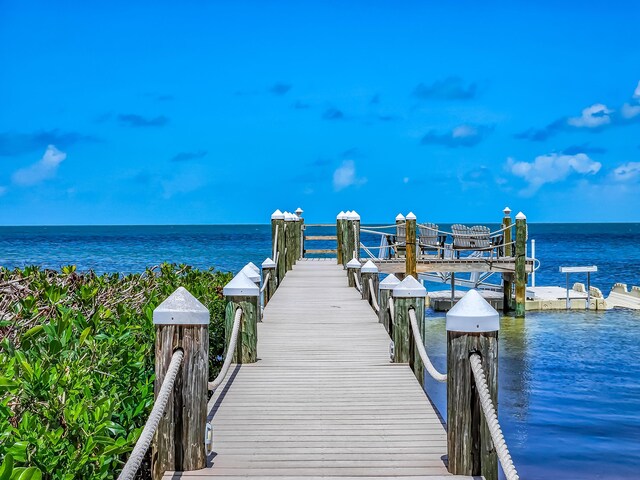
347, 235
299, 213
472, 327
399, 221
268, 276
339, 238
408, 294
290, 226
353, 270
369, 271
386, 289
410, 256
181, 322
353, 234
521, 272
507, 278
242, 293
278, 242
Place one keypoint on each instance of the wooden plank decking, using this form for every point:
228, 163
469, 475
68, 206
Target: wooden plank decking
323, 400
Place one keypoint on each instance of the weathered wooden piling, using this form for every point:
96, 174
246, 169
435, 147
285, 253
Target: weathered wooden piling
339, 238
521, 273
278, 242
384, 315
410, 255
369, 273
355, 219
353, 271
299, 213
408, 294
242, 293
399, 221
181, 322
507, 278
291, 240
269, 278
472, 327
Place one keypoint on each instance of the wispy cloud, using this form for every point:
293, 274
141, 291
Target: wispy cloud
477, 177
345, 176
460, 136
133, 120
627, 172
451, 88
584, 148
551, 168
594, 118
186, 156
13, 144
333, 114
280, 88
45, 168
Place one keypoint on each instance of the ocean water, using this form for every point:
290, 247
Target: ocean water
569, 382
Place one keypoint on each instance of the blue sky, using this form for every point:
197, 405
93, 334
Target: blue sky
220, 112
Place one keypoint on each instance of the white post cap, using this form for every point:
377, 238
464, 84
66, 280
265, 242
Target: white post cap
181, 308
241, 286
299, 211
251, 273
354, 215
268, 263
389, 283
369, 267
400, 218
289, 217
340, 216
410, 216
473, 314
354, 263
521, 216
409, 287
252, 265
506, 211
277, 215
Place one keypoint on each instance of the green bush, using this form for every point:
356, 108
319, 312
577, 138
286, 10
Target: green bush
76, 364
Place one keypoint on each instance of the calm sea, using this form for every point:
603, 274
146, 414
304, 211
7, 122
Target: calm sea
569, 390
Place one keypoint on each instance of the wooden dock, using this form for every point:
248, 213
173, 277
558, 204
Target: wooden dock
323, 399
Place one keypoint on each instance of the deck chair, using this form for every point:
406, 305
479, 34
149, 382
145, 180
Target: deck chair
476, 238
430, 239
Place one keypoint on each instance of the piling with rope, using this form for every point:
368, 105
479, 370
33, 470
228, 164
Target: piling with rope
268, 280
385, 288
278, 242
242, 293
472, 328
182, 324
339, 238
353, 272
370, 281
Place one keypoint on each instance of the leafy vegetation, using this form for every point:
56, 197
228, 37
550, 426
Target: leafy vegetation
76, 365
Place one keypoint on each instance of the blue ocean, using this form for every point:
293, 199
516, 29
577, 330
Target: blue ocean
569, 382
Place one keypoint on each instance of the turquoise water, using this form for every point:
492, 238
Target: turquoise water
569, 382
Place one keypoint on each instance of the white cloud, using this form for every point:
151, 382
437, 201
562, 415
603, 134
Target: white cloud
552, 168
345, 176
594, 116
464, 131
630, 111
636, 94
627, 172
45, 168
405, 180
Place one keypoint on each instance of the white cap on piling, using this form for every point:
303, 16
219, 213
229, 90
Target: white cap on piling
268, 263
340, 216
253, 265
289, 217
409, 288
410, 216
389, 283
277, 215
473, 314
369, 267
251, 273
181, 308
400, 218
506, 211
521, 216
299, 211
354, 263
241, 286
353, 215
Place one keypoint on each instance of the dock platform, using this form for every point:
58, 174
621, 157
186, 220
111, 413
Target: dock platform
323, 400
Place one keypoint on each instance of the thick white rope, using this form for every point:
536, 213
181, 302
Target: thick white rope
356, 281
230, 350
142, 445
275, 244
374, 299
392, 309
265, 282
440, 377
491, 416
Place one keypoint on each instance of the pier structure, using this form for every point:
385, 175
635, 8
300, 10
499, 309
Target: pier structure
326, 380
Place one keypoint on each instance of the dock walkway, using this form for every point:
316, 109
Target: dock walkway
323, 400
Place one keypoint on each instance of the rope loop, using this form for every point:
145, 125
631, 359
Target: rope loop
440, 377
374, 299
230, 351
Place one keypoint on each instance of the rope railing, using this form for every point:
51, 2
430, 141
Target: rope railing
142, 445
491, 416
265, 282
357, 281
374, 297
275, 244
440, 377
392, 309
230, 351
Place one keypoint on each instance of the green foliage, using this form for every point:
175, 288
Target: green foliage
76, 365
